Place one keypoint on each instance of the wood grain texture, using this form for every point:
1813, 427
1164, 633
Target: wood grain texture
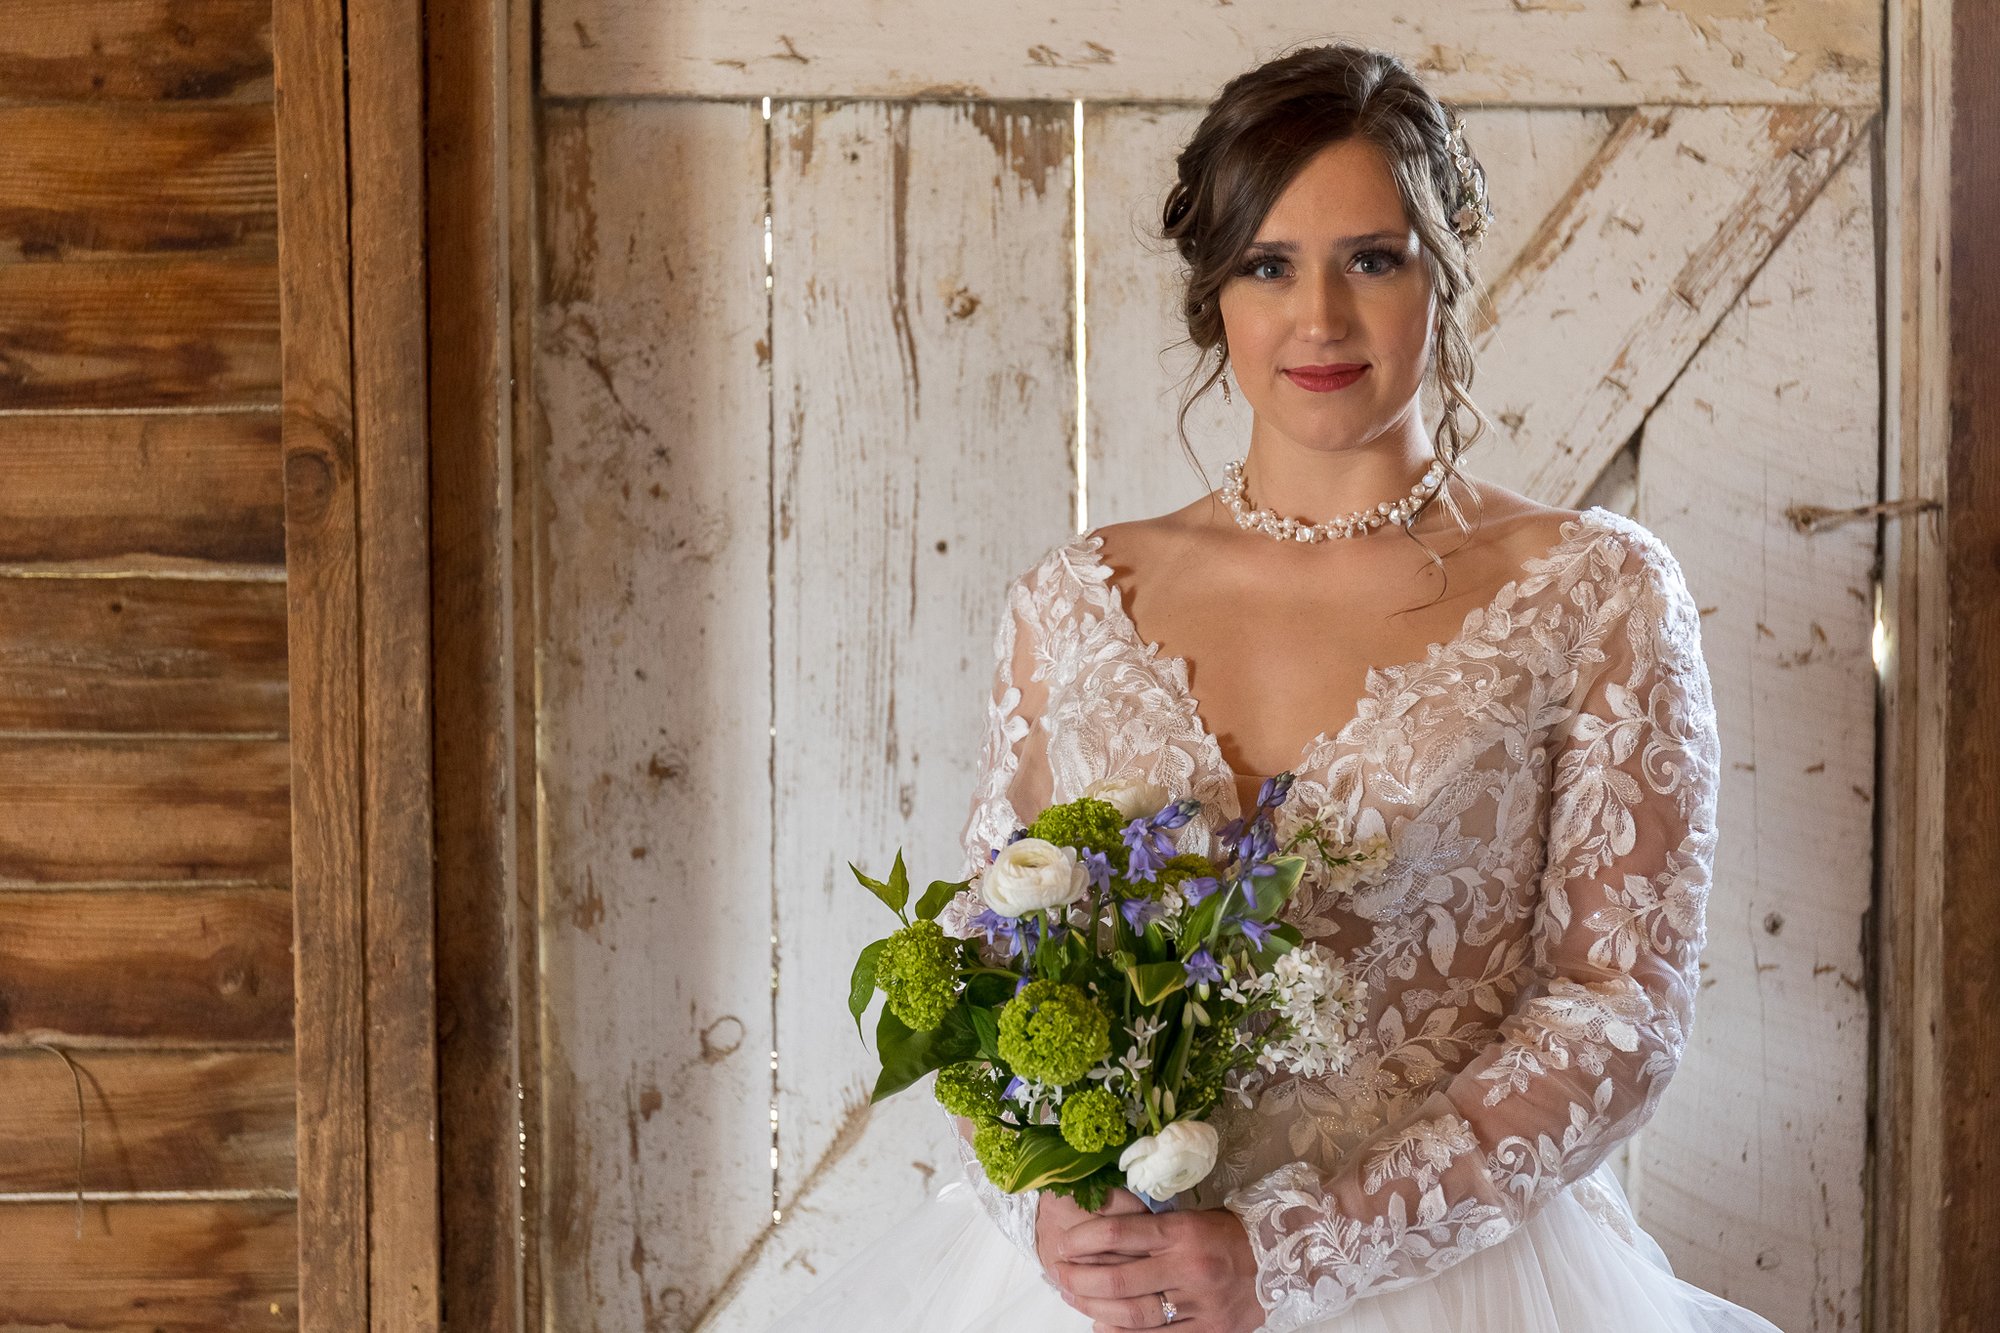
654, 481
183, 965
321, 557
136, 50
482, 825
1139, 362
387, 142
106, 181
90, 809
181, 493
148, 1267
154, 1120
1750, 1175
1628, 275
138, 333
1911, 1173
1968, 997
924, 390
142, 655
1580, 53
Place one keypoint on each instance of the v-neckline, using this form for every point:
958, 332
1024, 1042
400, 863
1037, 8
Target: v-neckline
1178, 678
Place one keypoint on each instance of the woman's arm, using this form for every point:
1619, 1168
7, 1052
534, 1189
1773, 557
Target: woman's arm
1012, 776
1591, 1042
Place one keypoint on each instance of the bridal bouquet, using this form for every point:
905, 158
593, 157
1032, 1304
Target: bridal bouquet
1107, 990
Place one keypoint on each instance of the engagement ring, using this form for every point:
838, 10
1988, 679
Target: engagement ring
1167, 1310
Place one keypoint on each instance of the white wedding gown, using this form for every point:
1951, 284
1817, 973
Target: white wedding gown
1547, 781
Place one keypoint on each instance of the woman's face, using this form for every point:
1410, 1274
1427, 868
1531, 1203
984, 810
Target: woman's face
1334, 277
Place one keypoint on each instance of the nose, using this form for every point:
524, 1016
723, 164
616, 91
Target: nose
1323, 307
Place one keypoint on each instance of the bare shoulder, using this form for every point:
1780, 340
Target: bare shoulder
1515, 526
1164, 540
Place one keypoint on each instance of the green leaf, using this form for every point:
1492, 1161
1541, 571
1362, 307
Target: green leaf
907, 1056
1154, 982
878, 888
1047, 1159
986, 1023
1177, 1062
1271, 892
1284, 938
988, 990
862, 986
936, 896
899, 882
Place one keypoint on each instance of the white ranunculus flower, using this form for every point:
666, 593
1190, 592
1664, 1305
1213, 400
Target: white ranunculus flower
1134, 797
1177, 1158
1033, 873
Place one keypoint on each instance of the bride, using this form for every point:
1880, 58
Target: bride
1539, 770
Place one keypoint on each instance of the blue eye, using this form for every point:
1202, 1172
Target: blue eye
1391, 262
1261, 261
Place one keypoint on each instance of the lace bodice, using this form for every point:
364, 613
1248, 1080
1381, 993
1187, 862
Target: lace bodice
1546, 779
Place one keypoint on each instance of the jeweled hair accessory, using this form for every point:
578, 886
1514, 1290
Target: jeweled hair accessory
1472, 211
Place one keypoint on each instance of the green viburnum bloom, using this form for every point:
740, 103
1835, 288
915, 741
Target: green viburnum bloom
1086, 823
1051, 1032
996, 1146
917, 969
1093, 1120
1185, 866
968, 1088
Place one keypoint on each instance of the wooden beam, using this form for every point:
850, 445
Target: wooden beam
475, 731
1579, 53
1629, 274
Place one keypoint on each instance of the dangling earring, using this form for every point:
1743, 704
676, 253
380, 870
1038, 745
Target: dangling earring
1225, 388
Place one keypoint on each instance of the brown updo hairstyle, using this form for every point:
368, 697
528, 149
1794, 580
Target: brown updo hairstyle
1261, 130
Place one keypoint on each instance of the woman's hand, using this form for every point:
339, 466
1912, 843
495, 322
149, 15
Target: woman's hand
1114, 1265
1057, 1214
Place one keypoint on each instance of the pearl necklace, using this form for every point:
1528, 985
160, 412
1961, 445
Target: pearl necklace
1357, 523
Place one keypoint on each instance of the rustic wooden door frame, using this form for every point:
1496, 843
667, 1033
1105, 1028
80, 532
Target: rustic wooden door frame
1936, 1188
394, 204
410, 561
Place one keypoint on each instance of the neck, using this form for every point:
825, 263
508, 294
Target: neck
1313, 482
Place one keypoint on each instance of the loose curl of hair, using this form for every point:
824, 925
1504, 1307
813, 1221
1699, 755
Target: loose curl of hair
1261, 130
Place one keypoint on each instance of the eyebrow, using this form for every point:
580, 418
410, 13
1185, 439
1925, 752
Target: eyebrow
1370, 238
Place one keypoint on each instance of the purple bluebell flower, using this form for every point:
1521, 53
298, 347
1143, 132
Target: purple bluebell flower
1256, 931
1014, 1087
1098, 865
1196, 887
999, 929
1272, 794
1259, 843
1176, 814
1140, 912
1020, 984
1016, 836
1201, 966
1149, 848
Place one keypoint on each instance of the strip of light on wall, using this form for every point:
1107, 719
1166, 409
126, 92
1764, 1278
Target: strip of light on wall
1082, 458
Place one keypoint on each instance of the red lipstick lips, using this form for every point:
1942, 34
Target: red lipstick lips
1325, 379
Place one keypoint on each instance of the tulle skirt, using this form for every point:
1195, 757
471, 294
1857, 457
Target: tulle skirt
1581, 1264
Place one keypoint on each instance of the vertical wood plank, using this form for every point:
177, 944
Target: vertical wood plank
474, 589
385, 62
1750, 1175
656, 677
314, 264
924, 403
1137, 355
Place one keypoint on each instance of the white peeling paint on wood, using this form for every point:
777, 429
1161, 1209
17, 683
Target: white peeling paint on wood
1138, 356
924, 401
1576, 53
1751, 1172
655, 653
1655, 242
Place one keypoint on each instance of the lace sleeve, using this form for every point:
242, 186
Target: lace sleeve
1013, 775
1593, 1037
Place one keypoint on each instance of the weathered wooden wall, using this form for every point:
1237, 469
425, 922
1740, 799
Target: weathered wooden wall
145, 907
778, 502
